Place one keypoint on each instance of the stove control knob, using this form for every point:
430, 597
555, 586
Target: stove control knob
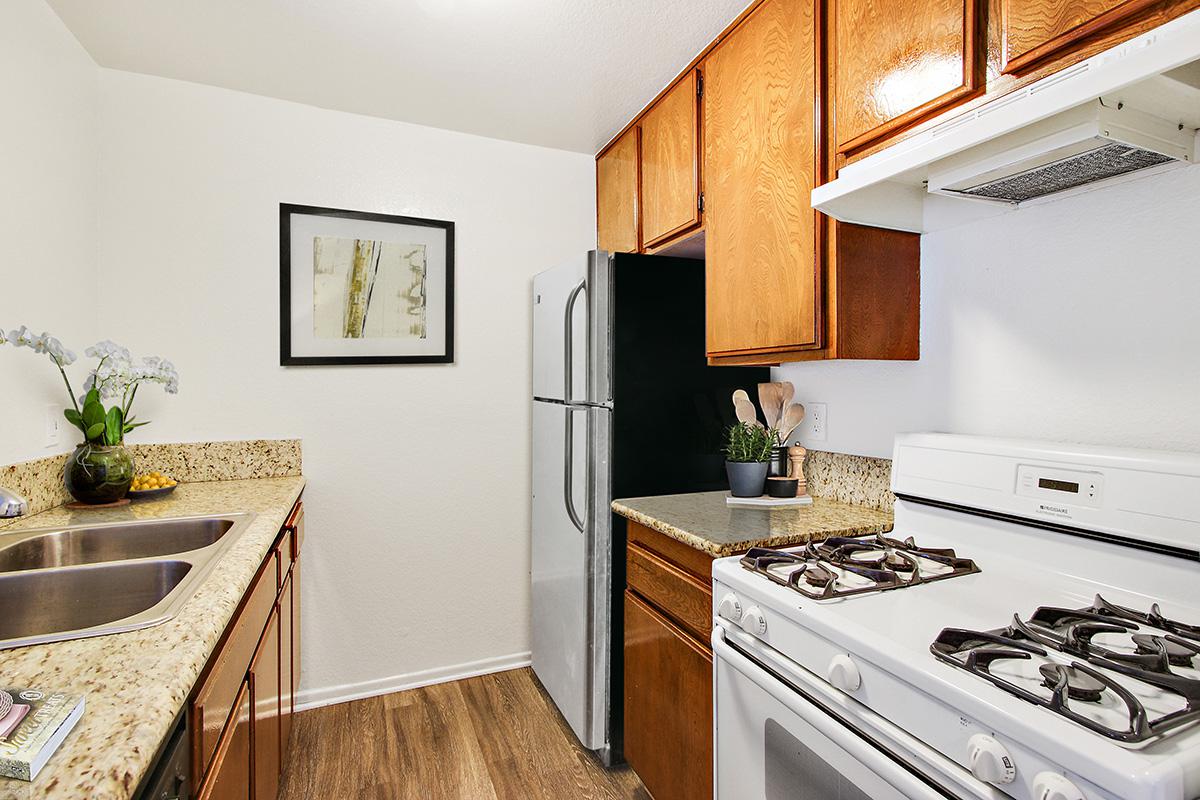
989, 760
1052, 786
730, 608
753, 622
844, 674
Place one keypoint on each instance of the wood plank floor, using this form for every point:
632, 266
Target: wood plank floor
489, 738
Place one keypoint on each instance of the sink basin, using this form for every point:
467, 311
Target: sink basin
78, 581
41, 603
121, 542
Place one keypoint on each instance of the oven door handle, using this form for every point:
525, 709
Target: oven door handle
829, 725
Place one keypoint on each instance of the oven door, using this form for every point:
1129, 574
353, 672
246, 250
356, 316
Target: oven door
774, 740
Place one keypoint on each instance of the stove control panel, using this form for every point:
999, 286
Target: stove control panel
989, 760
1052, 786
1060, 486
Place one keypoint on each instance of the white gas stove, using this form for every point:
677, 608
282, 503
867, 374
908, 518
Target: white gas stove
1027, 631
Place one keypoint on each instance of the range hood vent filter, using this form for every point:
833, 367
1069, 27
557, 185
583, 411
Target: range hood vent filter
1107, 160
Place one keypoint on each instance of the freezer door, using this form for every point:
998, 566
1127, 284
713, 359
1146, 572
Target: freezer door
571, 563
571, 331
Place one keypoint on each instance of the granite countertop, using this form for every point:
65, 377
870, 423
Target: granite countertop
136, 683
704, 521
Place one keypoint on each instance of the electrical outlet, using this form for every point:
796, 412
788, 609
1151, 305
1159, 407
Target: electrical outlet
53, 418
818, 422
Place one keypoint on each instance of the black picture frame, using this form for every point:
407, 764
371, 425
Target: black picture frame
286, 357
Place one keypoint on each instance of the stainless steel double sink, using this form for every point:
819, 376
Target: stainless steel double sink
77, 581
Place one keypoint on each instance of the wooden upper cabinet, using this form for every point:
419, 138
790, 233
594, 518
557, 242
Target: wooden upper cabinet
895, 62
617, 195
670, 181
1036, 29
760, 157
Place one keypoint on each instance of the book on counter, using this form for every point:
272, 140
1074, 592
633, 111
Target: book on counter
33, 723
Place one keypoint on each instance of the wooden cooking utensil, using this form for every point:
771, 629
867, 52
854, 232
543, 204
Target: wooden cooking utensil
770, 398
744, 408
791, 420
787, 394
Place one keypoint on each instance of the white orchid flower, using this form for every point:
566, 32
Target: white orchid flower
21, 337
3, 336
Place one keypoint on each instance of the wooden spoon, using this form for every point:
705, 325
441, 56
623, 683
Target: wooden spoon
787, 392
791, 420
744, 408
770, 397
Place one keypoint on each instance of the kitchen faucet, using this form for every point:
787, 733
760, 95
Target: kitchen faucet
12, 504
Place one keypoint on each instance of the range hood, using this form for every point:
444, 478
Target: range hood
1126, 111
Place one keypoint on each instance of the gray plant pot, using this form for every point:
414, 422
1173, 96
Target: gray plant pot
746, 478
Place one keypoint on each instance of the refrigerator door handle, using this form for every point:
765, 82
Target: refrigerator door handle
569, 469
569, 342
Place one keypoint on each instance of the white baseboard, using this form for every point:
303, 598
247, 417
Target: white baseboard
332, 695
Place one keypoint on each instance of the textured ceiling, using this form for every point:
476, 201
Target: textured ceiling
559, 73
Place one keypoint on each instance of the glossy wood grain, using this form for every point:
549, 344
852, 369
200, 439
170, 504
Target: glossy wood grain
214, 701
265, 698
681, 596
617, 196
695, 562
1036, 29
763, 278
898, 61
495, 737
231, 776
670, 173
668, 705
287, 684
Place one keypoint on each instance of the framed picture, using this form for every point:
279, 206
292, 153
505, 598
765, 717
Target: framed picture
362, 288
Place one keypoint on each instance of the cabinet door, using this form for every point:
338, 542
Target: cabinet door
265, 692
230, 776
617, 195
1035, 29
668, 705
670, 163
286, 660
897, 62
760, 151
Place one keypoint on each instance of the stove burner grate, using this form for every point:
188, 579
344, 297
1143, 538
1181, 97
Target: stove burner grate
1070, 631
823, 571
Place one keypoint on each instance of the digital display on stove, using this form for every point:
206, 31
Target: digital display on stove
1058, 486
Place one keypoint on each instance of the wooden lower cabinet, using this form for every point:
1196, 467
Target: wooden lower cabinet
230, 777
668, 665
266, 694
668, 705
240, 712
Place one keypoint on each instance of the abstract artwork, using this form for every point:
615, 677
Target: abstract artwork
364, 288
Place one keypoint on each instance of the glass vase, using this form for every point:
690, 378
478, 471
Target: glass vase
96, 474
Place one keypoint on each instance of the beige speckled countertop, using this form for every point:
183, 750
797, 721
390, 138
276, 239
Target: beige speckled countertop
705, 522
137, 682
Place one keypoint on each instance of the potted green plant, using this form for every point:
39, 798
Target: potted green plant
100, 469
747, 453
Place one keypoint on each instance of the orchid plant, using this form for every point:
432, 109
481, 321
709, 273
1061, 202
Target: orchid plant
104, 413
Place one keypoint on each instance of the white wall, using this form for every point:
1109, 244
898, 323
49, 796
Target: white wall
47, 213
1077, 320
418, 547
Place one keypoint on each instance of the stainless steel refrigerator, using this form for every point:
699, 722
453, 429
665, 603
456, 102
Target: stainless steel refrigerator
624, 404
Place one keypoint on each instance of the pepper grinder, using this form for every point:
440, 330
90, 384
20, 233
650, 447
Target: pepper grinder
796, 456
